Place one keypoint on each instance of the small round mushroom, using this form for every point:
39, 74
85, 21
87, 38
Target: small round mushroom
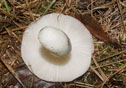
57, 48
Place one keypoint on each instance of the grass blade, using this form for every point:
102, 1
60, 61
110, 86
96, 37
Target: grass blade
52, 2
6, 5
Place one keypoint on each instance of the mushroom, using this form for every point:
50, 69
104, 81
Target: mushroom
57, 48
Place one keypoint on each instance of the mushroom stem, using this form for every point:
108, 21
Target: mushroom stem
55, 40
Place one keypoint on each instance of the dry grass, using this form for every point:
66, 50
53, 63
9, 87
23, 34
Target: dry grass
108, 64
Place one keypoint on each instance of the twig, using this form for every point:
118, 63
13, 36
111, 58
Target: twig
121, 52
96, 73
16, 51
121, 15
81, 83
112, 75
15, 29
12, 71
11, 15
9, 68
92, 8
9, 55
12, 34
111, 63
68, 3
105, 5
18, 38
82, 86
5, 20
24, 5
99, 69
28, 6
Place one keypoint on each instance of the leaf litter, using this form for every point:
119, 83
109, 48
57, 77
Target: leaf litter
107, 24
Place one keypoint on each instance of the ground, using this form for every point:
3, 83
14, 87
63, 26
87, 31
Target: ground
108, 67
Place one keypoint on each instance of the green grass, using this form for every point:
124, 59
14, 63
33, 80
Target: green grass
49, 6
6, 5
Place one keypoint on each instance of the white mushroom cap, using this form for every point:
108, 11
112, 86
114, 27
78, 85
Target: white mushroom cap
55, 41
57, 48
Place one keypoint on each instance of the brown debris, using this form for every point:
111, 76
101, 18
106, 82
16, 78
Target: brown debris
106, 20
25, 75
96, 29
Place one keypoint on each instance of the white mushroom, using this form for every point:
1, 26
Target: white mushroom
57, 48
55, 40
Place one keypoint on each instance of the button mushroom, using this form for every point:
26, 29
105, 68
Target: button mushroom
57, 48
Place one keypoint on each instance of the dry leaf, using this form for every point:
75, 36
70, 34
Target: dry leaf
96, 29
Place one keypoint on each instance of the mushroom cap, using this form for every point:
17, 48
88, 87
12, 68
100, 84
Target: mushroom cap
57, 68
55, 40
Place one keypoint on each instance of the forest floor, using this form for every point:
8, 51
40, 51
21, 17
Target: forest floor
108, 67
